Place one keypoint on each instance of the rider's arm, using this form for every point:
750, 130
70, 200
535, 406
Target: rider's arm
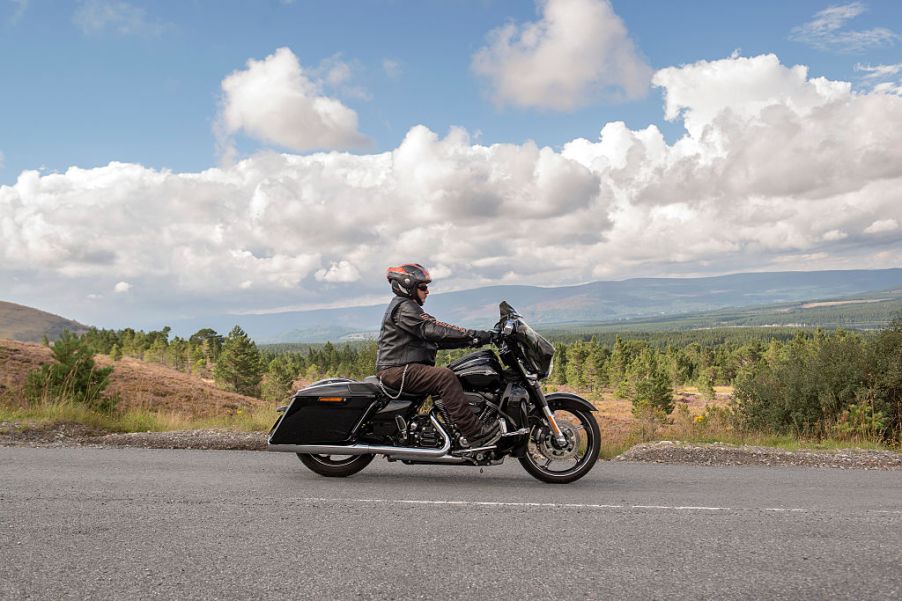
414, 320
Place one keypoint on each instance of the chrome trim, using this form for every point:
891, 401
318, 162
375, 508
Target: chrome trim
365, 449
463, 452
444, 459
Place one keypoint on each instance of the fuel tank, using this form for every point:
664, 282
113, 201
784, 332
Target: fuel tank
478, 371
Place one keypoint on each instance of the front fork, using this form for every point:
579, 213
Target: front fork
559, 439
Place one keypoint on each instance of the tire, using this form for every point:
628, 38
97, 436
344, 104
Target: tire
537, 464
345, 465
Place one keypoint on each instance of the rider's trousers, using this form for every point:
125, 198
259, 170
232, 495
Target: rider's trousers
439, 381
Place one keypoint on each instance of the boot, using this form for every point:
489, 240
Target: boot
488, 435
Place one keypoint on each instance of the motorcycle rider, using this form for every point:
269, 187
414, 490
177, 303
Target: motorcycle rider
408, 342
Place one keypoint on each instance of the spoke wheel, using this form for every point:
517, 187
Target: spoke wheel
549, 462
335, 466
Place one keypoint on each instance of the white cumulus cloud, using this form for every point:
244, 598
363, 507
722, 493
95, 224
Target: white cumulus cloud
775, 170
122, 287
577, 51
882, 226
343, 272
276, 101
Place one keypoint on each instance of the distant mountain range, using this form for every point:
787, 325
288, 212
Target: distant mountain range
752, 299
612, 303
18, 322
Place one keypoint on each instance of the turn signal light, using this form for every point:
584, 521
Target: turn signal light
331, 399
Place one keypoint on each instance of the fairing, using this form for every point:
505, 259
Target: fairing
537, 352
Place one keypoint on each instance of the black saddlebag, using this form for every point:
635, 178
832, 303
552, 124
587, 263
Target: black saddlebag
327, 412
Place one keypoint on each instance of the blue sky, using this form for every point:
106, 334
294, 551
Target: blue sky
189, 124
149, 94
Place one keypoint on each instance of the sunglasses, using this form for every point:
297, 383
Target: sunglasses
423, 287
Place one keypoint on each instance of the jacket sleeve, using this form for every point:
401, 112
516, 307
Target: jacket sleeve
418, 323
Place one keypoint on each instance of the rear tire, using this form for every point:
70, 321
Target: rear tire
343, 466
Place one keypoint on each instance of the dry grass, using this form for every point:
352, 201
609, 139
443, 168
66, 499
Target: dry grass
153, 397
156, 398
142, 387
259, 419
694, 420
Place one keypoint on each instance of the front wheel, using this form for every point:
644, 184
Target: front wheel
335, 466
548, 462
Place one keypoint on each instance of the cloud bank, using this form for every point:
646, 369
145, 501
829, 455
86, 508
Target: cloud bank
578, 50
776, 170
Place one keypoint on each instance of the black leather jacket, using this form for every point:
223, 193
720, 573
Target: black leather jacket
410, 335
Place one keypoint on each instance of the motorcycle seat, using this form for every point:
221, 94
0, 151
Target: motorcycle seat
373, 381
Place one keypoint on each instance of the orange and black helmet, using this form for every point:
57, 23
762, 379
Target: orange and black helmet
404, 279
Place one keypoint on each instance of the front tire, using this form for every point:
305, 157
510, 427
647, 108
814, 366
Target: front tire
335, 466
545, 462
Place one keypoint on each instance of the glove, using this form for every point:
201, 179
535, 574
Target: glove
481, 337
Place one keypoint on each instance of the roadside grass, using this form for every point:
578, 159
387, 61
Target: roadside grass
615, 443
48, 414
694, 422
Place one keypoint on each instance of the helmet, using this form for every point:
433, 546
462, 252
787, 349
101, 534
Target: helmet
404, 279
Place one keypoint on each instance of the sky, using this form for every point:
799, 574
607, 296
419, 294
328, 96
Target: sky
166, 160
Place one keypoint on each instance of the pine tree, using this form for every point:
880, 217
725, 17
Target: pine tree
650, 386
239, 367
73, 377
279, 376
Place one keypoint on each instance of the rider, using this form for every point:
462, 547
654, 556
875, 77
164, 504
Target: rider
408, 342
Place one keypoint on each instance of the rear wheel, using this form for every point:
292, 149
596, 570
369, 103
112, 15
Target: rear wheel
335, 466
548, 462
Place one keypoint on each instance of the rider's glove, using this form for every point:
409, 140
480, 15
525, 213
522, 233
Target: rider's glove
481, 337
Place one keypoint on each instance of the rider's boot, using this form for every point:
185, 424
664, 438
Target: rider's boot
488, 435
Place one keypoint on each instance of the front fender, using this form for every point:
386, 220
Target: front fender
568, 400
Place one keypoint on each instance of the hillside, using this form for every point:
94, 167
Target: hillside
869, 311
18, 322
140, 385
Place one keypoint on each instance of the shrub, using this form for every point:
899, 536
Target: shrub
73, 377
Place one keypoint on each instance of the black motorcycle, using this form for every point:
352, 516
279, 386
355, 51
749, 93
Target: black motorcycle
337, 426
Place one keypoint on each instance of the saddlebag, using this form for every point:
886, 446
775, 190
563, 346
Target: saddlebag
327, 412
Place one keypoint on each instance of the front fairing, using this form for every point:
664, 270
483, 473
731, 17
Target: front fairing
536, 352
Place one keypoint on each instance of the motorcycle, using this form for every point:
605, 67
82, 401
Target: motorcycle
338, 425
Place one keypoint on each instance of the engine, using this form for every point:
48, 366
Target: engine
421, 433
482, 405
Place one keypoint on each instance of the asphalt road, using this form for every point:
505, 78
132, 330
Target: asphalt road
141, 524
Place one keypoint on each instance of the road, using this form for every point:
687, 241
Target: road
83, 523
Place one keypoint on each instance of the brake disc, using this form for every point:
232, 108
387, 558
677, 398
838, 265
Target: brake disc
550, 450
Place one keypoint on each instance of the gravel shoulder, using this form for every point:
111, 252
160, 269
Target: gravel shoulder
724, 454
719, 454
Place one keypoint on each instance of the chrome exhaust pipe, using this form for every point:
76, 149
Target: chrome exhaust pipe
366, 449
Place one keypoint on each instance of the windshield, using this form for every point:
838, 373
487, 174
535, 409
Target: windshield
535, 351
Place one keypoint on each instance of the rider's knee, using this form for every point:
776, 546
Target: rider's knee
447, 377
